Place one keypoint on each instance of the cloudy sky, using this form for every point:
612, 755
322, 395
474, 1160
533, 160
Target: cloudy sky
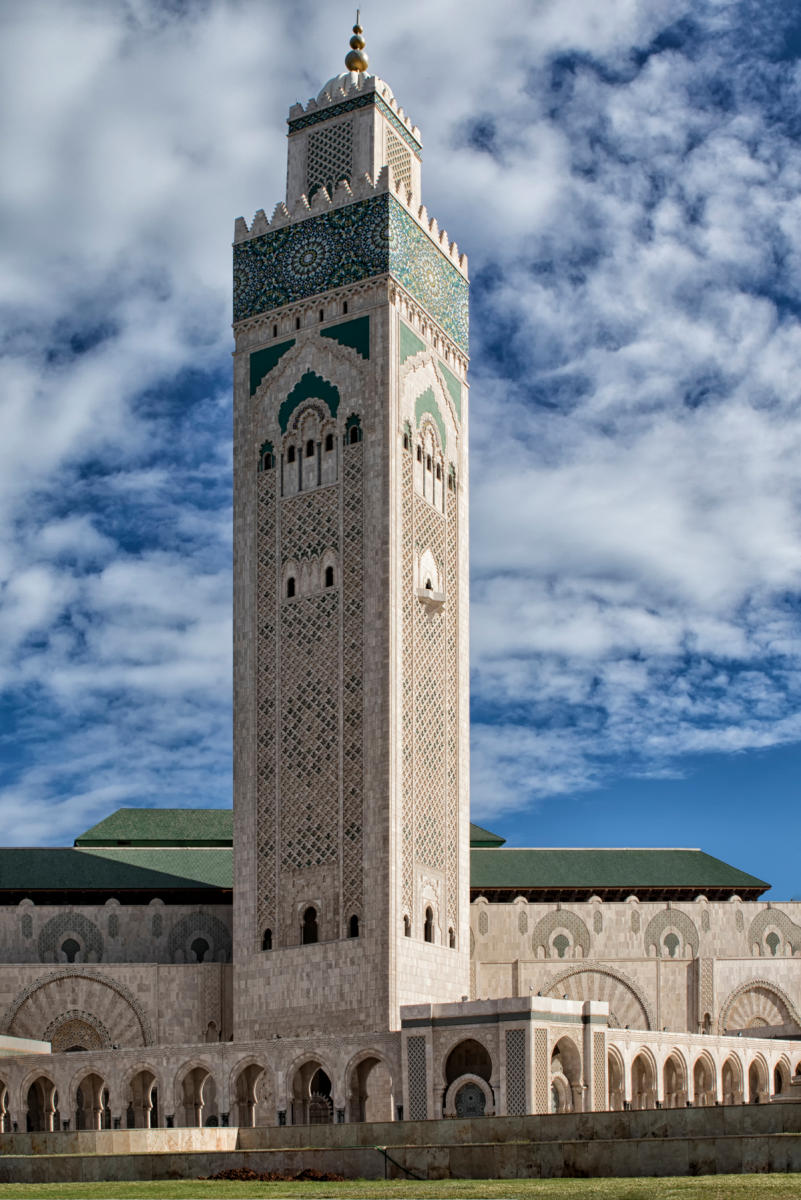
625, 177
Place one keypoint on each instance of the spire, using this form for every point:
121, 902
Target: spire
357, 60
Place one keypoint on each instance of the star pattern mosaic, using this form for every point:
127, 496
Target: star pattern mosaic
368, 238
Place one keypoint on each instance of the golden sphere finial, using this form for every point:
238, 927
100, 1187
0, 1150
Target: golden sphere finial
357, 60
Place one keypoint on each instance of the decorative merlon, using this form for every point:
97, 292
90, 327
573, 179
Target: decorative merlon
344, 193
346, 87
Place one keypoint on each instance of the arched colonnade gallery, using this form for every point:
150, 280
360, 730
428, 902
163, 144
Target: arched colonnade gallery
470, 1072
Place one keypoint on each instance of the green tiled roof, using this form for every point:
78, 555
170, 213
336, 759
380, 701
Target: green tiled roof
483, 837
625, 869
162, 827
114, 869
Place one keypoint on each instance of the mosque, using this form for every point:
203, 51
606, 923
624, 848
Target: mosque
346, 946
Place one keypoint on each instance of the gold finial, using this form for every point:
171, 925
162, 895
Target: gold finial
357, 60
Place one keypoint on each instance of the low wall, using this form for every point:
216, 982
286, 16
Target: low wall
727, 1140
476, 1160
735, 1120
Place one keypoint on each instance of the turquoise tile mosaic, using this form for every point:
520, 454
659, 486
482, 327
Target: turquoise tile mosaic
368, 238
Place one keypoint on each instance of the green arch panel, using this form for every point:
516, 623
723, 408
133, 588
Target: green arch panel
309, 387
426, 403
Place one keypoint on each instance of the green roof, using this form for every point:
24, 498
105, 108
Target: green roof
114, 870
624, 870
483, 837
162, 827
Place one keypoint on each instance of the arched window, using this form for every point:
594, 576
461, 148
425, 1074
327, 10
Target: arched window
267, 461
290, 454
297, 322
439, 471
428, 927
329, 577
200, 948
310, 448
419, 454
275, 331
322, 316
428, 462
345, 308
69, 949
353, 926
309, 932
451, 939
267, 940
290, 587
354, 435
407, 927
406, 441
329, 442
452, 479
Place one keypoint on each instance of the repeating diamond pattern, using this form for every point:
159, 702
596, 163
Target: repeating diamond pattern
265, 685
515, 1072
352, 682
330, 157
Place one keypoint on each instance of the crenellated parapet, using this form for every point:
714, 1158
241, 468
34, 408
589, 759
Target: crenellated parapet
345, 194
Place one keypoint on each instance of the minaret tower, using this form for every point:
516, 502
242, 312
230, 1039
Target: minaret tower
351, 723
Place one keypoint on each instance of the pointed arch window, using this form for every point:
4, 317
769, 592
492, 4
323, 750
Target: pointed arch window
428, 925
353, 926
267, 940
290, 587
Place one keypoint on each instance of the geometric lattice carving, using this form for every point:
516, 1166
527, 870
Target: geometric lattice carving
558, 920
113, 926
309, 738
541, 1072
407, 685
515, 1072
522, 921
418, 1083
77, 1029
598, 1071
211, 929
627, 1004
670, 919
157, 925
429, 660
329, 157
598, 921
266, 733
483, 922
352, 682
452, 715
26, 925
58, 927
399, 161
635, 921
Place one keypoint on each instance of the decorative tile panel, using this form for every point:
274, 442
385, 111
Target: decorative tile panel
418, 1082
598, 1071
542, 1072
358, 241
515, 1072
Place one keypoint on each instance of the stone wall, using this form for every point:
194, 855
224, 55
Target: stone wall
699, 965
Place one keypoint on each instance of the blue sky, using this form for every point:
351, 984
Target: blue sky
625, 178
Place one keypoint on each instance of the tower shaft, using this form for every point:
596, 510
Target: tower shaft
351, 672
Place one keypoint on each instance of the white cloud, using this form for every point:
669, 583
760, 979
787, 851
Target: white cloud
634, 243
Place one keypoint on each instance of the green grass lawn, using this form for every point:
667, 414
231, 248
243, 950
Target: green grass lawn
709, 1187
